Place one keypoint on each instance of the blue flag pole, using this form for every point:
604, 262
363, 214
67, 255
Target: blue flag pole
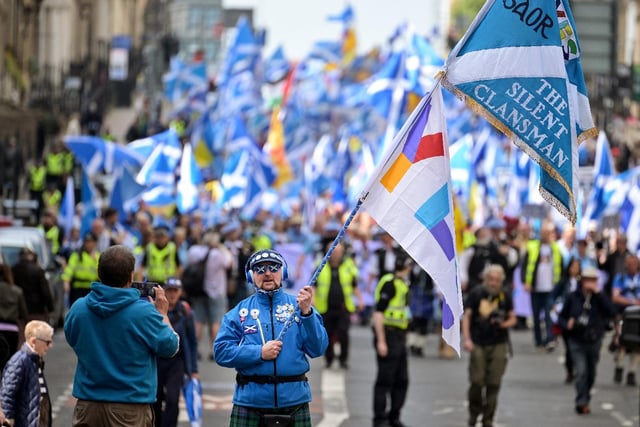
314, 278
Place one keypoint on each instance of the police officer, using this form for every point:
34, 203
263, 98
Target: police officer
82, 269
55, 164
336, 286
51, 231
160, 259
37, 183
390, 322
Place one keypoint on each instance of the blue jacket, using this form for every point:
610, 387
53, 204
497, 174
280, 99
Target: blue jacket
117, 337
20, 392
239, 345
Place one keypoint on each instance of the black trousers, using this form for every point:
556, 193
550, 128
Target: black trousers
8, 346
336, 322
170, 380
392, 380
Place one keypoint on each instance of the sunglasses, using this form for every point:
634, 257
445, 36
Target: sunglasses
262, 268
47, 342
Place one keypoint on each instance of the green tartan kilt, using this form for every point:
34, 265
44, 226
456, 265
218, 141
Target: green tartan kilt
243, 416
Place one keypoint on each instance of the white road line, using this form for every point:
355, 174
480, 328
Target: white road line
622, 419
334, 400
61, 400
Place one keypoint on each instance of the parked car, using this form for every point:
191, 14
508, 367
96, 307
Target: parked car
13, 239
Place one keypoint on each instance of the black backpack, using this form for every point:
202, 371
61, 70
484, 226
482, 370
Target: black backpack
193, 277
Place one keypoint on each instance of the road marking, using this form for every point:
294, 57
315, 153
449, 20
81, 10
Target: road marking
333, 398
61, 401
622, 419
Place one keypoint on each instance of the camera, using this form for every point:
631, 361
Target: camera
146, 289
496, 317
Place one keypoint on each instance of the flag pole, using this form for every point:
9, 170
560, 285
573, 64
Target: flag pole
339, 237
314, 278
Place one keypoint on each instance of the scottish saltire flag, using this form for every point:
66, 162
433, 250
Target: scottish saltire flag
603, 172
96, 154
160, 166
90, 204
521, 70
126, 193
276, 67
518, 189
460, 153
190, 178
410, 196
68, 208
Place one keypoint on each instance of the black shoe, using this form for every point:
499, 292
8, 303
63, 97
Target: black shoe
582, 409
617, 376
211, 358
631, 379
344, 365
328, 364
397, 423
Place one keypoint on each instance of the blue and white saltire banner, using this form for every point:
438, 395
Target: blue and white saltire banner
526, 79
96, 154
126, 193
190, 178
518, 189
603, 172
160, 166
411, 197
91, 204
68, 208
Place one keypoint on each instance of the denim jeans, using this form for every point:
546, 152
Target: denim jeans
541, 302
585, 359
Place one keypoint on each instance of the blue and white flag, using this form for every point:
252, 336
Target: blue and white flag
190, 178
161, 164
518, 189
126, 193
603, 172
519, 66
90, 204
68, 208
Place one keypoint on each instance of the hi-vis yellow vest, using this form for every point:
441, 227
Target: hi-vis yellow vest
396, 314
37, 177
347, 274
82, 269
161, 263
533, 253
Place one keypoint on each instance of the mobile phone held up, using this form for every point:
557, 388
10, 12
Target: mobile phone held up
146, 289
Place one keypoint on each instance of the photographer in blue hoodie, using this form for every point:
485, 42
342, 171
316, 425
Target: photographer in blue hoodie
267, 338
117, 337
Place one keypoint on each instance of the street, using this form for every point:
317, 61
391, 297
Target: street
533, 392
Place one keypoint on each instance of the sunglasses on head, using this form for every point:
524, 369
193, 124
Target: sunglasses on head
262, 268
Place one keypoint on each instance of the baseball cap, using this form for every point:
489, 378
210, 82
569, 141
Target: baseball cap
173, 282
266, 255
590, 273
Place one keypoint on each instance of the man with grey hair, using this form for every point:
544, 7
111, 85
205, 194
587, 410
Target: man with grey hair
488, 315
211, 303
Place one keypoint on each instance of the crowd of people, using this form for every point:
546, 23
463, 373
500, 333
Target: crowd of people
577, 289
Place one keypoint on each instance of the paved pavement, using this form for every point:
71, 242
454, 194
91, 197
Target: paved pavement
533, 392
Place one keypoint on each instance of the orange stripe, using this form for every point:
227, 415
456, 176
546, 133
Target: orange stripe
395, 173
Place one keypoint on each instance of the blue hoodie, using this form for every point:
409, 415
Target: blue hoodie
117, 337
239, 345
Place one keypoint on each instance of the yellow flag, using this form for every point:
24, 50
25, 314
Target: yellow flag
276, 149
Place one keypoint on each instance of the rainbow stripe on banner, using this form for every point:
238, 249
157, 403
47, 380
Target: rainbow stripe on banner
410, 196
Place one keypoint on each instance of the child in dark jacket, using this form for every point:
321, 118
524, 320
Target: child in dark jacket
24, 393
